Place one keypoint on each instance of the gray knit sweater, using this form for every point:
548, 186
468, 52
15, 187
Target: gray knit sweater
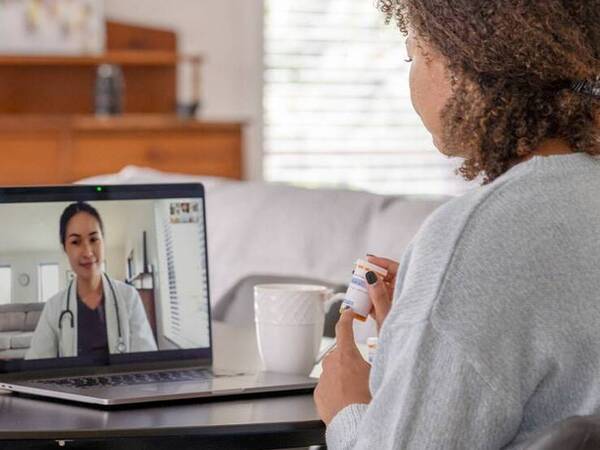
495, 329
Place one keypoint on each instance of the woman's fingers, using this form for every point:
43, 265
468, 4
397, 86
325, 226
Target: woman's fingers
388, 264
344, 333
380, 297
392, 268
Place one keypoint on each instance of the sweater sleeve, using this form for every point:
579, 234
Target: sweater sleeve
430, 397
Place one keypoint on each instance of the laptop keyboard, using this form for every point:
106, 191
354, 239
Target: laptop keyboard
130, 379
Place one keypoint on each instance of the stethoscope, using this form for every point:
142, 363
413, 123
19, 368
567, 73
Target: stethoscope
68, 312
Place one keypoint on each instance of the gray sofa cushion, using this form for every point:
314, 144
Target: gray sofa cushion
312, 233
13, 317
21, 340
21, 307
12, 321
31, 320
13, 354
5, 338
13, 307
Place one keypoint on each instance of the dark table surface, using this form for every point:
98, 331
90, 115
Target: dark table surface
241, 422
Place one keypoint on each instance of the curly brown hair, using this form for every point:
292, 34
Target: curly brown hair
511, 64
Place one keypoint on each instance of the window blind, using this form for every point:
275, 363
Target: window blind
337, 108
183, 286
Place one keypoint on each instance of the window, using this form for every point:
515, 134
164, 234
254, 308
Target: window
5, 284
337, 108
47, 281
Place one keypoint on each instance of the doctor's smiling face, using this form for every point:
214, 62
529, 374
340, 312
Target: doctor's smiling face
84, 245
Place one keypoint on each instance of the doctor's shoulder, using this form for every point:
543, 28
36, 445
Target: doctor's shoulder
126, 291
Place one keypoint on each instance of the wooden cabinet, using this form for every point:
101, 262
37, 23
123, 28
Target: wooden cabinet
49, 135
26, 158
50, 149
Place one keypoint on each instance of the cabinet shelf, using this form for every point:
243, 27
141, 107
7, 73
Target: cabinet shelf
125, 122
121, 57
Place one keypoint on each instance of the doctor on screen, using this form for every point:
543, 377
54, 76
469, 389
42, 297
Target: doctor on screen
95, 315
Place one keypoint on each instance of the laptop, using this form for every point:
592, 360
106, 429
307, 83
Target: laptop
146, 335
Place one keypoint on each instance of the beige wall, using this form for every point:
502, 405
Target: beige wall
228, 33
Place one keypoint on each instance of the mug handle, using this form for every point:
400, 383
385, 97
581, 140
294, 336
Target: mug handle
332, 298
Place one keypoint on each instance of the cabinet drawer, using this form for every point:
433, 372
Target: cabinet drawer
214, 153
28, 158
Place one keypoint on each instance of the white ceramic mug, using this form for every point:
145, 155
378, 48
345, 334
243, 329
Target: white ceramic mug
289, 324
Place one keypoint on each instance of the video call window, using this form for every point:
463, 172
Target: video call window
147, 256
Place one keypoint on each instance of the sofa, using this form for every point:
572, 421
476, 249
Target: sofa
17, 323
274, 232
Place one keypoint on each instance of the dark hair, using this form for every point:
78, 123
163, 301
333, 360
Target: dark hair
512, 66
73, 209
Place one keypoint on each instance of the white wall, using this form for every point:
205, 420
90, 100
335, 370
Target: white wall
228, 34
114, 263
27, 263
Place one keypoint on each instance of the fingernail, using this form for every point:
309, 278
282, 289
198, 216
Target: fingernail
370, 254
371, 277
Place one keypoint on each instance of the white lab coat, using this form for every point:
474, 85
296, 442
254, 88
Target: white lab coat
50, 341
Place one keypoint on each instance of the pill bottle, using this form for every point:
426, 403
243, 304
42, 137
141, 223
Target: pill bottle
357, 295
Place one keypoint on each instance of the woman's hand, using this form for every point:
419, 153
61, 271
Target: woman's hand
381, 291
345, 377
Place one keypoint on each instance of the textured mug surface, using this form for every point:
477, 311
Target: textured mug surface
290, 304
289, 325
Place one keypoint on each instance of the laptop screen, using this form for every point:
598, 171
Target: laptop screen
93, 275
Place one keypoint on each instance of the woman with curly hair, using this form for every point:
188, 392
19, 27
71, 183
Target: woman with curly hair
493, 331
